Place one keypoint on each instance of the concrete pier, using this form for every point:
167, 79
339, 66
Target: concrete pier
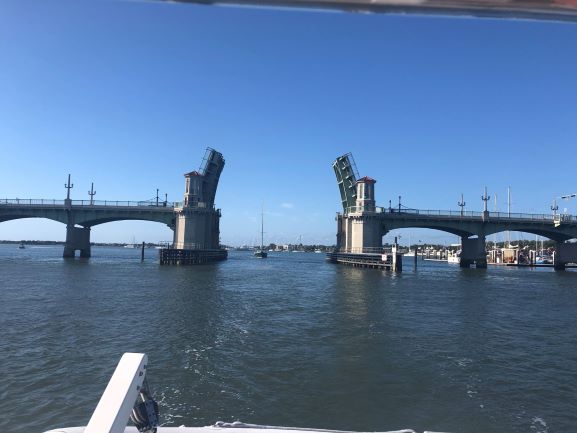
473, 251
565, 253
197, 232
77, 238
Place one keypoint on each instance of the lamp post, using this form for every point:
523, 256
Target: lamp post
555, 208
92, 193
68, 187
461, 204
485, 199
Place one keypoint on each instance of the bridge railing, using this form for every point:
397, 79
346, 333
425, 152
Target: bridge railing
121, 203
371, 250
366, 250
30, 201
466, 214
94, 203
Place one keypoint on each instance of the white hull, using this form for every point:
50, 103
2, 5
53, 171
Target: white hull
126, 386
220, 427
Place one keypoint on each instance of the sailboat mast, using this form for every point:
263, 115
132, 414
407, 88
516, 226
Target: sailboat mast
262, 229
508, 215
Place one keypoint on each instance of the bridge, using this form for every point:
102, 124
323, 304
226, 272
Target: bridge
86, 214
362, 225
195, 221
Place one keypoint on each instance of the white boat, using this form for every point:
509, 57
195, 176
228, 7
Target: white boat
544, 259
127, 397
132, 245
454, 257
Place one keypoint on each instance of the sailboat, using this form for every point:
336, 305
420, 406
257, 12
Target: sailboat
132, 245
261, 253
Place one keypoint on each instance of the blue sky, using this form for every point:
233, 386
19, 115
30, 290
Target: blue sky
128, 94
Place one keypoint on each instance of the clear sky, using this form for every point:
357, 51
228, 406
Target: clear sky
128, 94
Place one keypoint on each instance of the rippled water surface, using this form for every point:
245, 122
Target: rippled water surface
290, 340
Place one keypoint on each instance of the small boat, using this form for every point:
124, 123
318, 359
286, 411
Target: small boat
543, 259
454, 257
21, 246
261, 253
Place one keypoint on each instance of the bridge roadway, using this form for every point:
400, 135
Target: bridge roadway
86, 214
560, 227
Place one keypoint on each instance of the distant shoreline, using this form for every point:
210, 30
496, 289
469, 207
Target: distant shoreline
94, 244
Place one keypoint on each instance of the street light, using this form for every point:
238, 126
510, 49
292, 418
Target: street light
555, 208
461, 204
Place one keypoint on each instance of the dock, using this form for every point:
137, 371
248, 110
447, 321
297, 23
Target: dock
367, 260
173, 256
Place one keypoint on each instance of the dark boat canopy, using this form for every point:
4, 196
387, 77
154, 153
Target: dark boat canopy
557, 10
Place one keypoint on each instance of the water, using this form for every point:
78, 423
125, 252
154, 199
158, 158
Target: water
290, 340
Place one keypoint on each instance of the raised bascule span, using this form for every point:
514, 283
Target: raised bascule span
195, 221
361, 225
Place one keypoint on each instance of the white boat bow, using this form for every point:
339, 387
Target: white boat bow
127, 389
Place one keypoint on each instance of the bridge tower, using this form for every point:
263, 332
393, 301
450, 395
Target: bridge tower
358, 227
197, 232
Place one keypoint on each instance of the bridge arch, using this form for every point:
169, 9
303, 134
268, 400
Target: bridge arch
394, 225
31, 228
91, 223
24, 215
544, 232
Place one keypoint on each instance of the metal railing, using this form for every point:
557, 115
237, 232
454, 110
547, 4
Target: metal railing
88, 203
365, 250
464, 214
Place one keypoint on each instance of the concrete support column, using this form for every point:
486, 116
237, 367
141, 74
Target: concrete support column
564, 253
365, 234
473, 251
77, 238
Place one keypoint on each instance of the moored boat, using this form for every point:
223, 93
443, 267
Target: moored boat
261, 253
